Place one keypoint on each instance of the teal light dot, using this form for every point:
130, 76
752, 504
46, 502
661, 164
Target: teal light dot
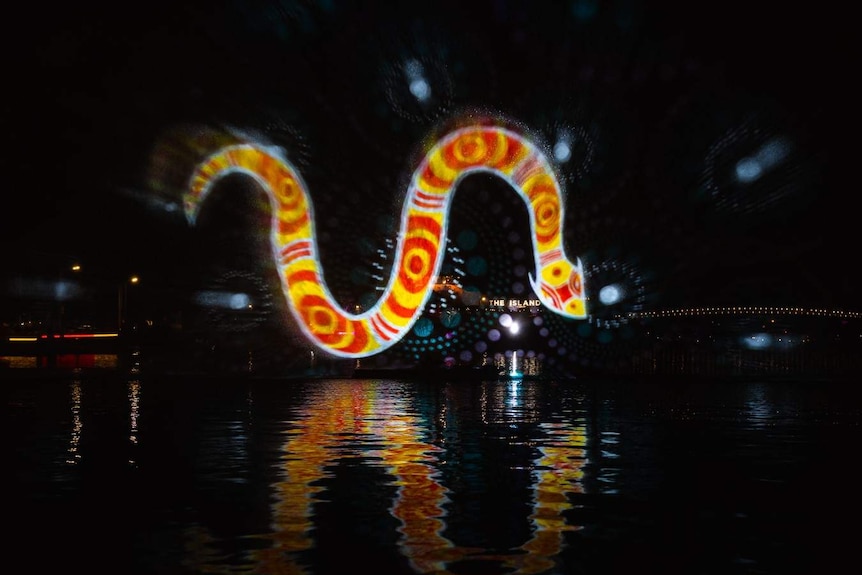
477, 265
467, 240
423, 327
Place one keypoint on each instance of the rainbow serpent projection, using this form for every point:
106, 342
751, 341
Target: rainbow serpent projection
421, 240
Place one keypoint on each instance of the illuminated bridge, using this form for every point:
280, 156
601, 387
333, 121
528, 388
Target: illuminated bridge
746, 340
745, 311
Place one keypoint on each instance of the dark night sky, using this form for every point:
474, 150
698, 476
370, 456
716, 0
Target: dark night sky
666, 99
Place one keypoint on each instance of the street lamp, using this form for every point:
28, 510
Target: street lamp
123, 301
62, 292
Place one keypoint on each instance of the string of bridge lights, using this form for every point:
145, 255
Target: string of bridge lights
744, 310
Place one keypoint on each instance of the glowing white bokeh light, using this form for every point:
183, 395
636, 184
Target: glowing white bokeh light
748, 169
768, 156
64, 291
514, 328
239, 301
757, 341
562, 151
419, 86
610, 294
773, 152
420, 89
215, 299
505, 320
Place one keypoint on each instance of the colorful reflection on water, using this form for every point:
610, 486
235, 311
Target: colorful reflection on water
377, 423
62, 361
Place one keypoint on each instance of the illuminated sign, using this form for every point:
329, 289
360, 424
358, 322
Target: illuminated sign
514, 303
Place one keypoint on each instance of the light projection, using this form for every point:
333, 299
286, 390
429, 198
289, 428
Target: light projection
420, 248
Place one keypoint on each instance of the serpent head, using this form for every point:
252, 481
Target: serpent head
560, 287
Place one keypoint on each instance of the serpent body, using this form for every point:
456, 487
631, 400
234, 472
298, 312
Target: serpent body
558, 283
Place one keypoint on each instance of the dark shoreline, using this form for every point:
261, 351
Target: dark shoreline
424, 375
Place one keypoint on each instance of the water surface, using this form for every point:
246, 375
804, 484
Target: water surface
178, 475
